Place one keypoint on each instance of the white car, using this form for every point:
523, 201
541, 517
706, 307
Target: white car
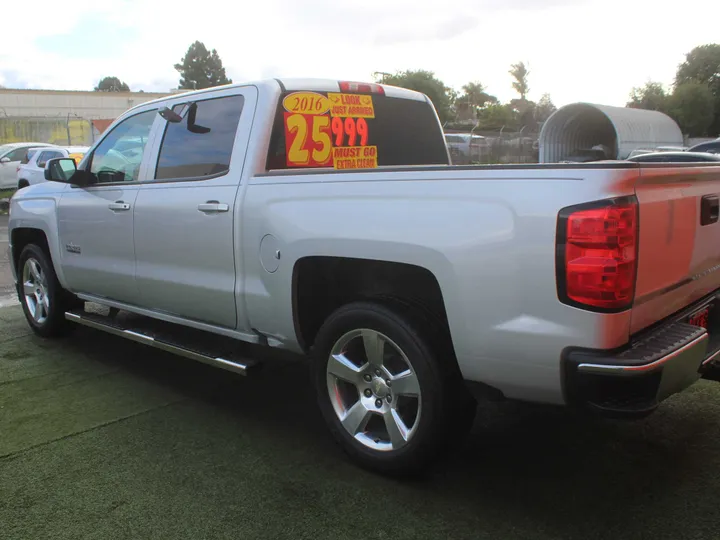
11, 156
33, 172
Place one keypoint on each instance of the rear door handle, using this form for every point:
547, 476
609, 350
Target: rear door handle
213, 206
709, 209
119, 206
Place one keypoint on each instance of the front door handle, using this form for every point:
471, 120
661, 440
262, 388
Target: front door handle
213, 206
709, 209
119, 206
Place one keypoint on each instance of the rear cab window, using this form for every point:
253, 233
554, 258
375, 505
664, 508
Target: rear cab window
354, 130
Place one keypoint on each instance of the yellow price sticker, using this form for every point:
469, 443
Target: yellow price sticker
306, 103
351, 105
355, 157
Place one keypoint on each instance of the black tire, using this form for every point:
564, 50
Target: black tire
447, 409
54, 323
23, 184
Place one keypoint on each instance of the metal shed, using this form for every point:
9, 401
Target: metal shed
582, 126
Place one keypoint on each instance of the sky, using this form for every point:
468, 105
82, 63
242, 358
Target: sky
577, 50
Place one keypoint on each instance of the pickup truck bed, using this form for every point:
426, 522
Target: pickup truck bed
407, 280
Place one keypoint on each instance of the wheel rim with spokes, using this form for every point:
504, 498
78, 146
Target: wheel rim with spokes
374, 390
35, 290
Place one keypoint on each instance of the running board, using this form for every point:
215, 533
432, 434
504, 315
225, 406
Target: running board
112, 324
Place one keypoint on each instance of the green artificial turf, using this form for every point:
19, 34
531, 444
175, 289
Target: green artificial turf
101, 438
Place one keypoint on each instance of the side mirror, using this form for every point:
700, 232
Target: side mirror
60, 170
5, 160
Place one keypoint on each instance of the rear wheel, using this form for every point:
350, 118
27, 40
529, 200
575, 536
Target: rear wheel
387, 395
23, 184
43, 299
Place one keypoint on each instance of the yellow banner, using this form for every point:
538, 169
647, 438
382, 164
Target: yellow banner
355, 157
306, 103
351, 105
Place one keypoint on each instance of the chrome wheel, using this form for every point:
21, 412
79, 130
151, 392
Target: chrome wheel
374, 390
35, 290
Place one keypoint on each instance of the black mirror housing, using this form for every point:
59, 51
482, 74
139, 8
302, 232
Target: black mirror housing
65, 170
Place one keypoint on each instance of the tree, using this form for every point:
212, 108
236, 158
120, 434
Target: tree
702, 65
544, 108
201, 68
496, 116
652, 97
425, 82
520, 73
692, 106
524, 112
472, 100
111, 84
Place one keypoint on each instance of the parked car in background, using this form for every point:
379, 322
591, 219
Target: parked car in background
33, 170
712, 147
465, 147
11, 156
643, 151
674, 157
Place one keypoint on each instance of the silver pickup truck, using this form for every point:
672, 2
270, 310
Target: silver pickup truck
323, 217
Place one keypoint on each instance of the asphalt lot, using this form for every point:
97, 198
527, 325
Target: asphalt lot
7, 290
103, 438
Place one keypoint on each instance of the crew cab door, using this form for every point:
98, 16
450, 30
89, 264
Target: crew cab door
9, 163
186, 217
95, 223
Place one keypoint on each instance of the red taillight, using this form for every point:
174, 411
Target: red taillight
597, 255
365, 88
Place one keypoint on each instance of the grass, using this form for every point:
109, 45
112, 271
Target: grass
6, 193
103, 438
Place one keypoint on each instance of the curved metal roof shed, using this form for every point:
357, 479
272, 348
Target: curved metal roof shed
581, 126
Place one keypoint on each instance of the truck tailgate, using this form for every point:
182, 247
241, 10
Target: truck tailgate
679, 240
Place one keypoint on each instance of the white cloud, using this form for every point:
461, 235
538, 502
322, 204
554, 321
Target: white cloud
582, 50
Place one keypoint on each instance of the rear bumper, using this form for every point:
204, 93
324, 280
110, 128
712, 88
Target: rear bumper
634, 380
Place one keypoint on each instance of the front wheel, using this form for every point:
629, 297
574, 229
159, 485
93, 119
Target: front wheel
43, 299
386, 394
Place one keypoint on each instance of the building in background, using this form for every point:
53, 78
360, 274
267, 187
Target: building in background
63, 116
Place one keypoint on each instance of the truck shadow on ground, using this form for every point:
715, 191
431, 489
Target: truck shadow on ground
567, 474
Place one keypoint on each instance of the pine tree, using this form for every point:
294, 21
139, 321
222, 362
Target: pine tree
201, 68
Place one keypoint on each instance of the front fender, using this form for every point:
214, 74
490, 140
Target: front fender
39, 213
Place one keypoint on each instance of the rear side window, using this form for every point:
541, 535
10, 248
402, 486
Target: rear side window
17, 155
47, 154
354, 131
200, 145
27, 157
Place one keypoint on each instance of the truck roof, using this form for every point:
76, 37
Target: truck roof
296, 84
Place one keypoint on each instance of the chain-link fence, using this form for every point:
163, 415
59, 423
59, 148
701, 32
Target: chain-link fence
71, 131
489, 147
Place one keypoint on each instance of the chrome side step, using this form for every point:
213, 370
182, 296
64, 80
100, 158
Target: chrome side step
91, 320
